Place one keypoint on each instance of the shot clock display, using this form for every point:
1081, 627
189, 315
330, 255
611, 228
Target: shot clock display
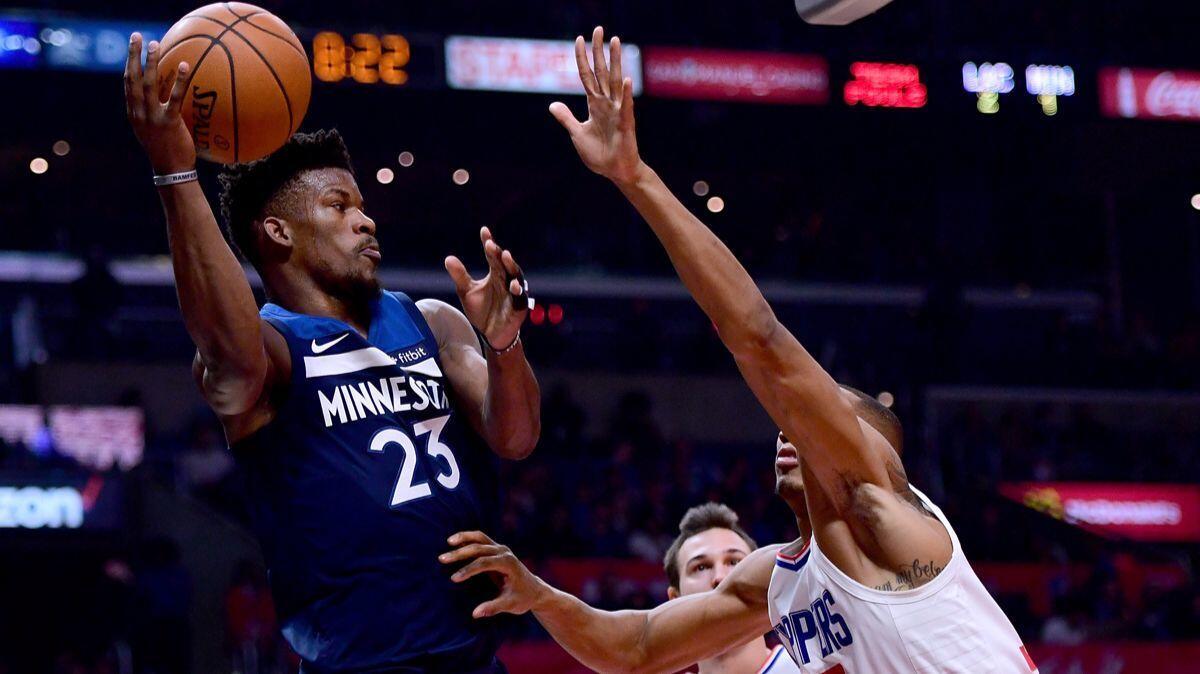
368, 58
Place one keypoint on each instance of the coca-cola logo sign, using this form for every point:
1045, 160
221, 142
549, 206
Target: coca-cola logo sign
1139, 93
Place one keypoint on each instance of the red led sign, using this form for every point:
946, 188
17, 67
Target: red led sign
886, 85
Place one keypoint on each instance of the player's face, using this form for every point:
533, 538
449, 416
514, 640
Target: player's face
706, 558
338, 244
789, 478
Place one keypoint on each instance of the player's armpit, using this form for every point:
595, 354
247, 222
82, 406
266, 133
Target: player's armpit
241, 397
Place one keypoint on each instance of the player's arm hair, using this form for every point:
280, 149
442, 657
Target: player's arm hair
793, 387
218, 305
674, 635
500, 394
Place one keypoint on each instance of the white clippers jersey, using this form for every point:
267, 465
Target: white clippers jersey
831, 624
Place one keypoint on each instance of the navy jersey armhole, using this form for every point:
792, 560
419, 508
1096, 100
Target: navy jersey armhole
418, 318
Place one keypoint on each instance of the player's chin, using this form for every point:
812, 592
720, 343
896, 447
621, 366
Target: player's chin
789, 483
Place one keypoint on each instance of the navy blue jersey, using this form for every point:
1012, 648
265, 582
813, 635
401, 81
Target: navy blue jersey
355, 486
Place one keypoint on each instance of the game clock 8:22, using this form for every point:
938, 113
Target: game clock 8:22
389, 59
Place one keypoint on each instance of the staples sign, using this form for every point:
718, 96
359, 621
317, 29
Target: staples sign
757, 77
1138, 93
534, 66
1143, 512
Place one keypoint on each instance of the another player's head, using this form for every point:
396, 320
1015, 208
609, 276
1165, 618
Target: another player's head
789, 478
709, 545
298, 213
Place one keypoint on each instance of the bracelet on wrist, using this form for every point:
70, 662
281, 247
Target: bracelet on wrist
175, 178
499, 352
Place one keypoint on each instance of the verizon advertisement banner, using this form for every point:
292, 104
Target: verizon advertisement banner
1143, 512
534, 66
1138, 93
761, 77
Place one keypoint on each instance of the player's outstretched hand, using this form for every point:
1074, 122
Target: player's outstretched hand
152, 103
520, 590
606, 142
498, 303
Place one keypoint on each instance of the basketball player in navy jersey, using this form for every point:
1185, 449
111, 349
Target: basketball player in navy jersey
362, 418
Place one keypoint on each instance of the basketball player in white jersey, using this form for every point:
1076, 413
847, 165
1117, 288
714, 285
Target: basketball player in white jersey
710, 545
881, 586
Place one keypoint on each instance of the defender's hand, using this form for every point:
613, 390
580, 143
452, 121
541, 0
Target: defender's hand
152, 104
606, 142
496, 304
520, 590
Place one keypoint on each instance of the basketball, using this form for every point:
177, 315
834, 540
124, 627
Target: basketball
249, 82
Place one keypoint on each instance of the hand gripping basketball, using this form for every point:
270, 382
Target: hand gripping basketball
152, 104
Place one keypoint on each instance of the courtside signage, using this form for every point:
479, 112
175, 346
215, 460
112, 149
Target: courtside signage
533, 66
1140, 93
760, 77
1144, 512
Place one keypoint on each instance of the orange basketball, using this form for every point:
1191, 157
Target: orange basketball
249, 83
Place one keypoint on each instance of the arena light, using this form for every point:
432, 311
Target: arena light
886, 399
700, 188
1196, 201
716, 204
406, 159
1047, 83
460, 177
385, 176
61, 148
886, 85
39, 165
555, 314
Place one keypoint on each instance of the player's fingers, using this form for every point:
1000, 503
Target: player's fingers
470, 551
133, 75
458, 274
496, 563
585, 71
464, 537
180, 88
510, 263
491, 251
490, 608
616, 79
626, 121
562, 113
599, 63
166, 85
150, 78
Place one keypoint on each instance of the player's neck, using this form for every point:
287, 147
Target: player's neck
747, 659
304, 297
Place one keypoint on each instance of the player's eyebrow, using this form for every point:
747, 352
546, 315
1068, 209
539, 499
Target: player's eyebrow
705, 556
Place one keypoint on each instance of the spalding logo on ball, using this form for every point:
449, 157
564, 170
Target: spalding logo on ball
837, 12
249, 83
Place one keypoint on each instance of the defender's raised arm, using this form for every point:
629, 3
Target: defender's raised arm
799, 395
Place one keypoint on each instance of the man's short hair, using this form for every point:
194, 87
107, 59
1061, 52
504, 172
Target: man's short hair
880, 418
695, 521
264, 187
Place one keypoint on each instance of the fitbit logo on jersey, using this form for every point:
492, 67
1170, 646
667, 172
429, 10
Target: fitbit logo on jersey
352, 402
38, 508
819, 622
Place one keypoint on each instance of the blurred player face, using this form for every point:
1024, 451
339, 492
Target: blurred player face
336, 240
789, 478
705, 559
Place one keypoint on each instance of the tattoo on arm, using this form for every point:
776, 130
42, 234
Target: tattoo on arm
911, 577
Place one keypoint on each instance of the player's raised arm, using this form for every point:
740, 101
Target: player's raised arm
218, 305
799, 395
676, 634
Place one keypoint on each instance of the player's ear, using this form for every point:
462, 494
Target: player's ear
672, 593
277, 231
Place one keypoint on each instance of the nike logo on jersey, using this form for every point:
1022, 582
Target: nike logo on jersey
321, 348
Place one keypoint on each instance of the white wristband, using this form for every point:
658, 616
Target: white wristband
175, 178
